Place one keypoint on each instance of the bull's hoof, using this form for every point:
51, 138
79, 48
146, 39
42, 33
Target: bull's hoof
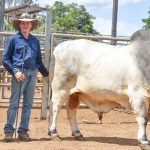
99, 122
84, 121
144, 146
79, 138
54, 137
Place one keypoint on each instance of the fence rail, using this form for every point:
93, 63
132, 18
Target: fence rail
63, 37
11, 33
92, 37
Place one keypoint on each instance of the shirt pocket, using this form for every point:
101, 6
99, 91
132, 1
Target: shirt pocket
20, 51
34, 51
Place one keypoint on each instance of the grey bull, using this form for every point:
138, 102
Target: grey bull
102, 76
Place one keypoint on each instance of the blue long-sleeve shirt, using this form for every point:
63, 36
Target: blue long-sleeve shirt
21, 52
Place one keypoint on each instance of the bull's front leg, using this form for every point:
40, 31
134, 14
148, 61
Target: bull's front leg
73, 123
141, 106
142, 121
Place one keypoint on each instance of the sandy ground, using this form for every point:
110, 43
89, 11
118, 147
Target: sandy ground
118, 132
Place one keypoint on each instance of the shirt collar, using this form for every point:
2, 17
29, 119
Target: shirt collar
20, 35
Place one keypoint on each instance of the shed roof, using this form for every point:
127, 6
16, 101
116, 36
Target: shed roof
18, 10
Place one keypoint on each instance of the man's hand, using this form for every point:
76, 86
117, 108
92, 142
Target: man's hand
39, 77
19, 76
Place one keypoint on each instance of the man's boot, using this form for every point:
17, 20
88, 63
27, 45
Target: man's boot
23, 136
8, 136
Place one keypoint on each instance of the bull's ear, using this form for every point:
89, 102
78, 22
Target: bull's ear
142, 35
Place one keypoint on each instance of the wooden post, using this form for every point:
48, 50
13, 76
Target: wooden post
45, 92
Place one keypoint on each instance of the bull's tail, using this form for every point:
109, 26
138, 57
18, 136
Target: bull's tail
51, 74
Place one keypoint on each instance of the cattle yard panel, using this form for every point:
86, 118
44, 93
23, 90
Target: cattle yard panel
55, 39
59, 37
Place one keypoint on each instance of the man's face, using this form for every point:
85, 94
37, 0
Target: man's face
25, 26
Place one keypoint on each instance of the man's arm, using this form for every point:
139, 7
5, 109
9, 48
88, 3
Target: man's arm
7, 57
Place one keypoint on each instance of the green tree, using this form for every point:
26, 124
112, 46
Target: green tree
41, 25
147, 22
71, 18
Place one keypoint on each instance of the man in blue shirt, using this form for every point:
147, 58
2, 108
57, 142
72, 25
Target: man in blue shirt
22, 58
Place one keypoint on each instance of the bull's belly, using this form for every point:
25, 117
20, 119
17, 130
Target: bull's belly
103, 101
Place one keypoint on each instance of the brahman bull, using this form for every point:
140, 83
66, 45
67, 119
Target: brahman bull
102, 76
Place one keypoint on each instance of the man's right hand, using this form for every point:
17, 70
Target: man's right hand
19, 76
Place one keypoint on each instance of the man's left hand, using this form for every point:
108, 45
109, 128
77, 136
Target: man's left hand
39, 77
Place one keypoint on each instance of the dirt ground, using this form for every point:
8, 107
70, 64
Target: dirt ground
118, 132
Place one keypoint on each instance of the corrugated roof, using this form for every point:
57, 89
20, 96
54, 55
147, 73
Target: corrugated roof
18, 10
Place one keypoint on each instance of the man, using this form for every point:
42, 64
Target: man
22, 58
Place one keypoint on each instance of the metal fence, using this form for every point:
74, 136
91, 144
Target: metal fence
48, 44
5, 77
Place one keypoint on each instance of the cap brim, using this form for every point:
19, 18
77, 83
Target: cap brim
16, 22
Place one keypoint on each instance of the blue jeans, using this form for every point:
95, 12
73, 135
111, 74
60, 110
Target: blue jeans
27, 89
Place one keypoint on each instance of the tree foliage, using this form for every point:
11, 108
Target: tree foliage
71, 18
65, 18
147, 22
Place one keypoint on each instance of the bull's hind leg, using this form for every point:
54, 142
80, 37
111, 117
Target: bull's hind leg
55, 105
141, 106
61, 85
72, 105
